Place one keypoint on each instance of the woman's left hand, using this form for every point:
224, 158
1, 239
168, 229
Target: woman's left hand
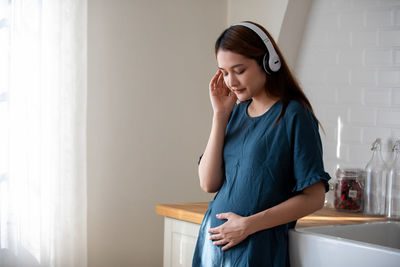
232, 232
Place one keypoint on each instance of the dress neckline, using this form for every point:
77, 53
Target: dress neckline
260, 116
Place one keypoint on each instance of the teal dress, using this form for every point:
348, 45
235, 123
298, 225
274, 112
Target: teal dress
265, 164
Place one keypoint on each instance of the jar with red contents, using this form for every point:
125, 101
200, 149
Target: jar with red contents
349, 189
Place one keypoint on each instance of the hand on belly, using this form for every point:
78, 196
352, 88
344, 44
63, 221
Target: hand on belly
232, 232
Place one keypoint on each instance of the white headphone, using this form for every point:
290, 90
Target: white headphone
271, 60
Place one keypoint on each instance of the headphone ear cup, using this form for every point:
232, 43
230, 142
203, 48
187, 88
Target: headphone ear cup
271, 54
266, 63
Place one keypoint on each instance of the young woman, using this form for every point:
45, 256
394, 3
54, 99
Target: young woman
263, 157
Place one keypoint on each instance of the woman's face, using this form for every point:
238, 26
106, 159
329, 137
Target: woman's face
242, 75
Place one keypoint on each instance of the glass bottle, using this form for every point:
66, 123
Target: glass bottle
393, 185
375, 182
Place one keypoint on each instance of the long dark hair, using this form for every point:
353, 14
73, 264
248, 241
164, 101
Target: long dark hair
281, 84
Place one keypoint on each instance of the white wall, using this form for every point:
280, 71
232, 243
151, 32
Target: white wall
292, 29
268, 13
149, 117
349, 66
284, 19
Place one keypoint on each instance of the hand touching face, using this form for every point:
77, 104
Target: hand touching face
222, 99
242, 75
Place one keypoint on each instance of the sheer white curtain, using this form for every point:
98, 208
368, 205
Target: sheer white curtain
43, 133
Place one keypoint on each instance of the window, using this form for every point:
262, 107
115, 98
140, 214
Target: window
4, 86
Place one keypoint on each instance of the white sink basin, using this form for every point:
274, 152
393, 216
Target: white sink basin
367, 245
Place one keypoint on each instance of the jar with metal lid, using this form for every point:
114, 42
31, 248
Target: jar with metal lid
349, 189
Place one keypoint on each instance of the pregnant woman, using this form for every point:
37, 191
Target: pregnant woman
263, 156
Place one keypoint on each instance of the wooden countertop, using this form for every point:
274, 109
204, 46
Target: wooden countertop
194, 212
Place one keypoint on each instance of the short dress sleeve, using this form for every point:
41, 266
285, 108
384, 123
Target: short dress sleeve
306, 146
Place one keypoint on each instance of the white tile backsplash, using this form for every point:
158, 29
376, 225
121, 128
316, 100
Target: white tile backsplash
389, 3
319, 38
363, 116
331, 147
350, 95
389, 77
335, 113
363, 76
366, 3
396, 132
327, 94
322, 55
351, 20
360, 155
330, 21
351, 134
378, 97
371, 133
396, 97
349, 65
379, 18
378, 57
397, 56
362, 39
389, 117
389, 38
341, 4
397, 17
312, 75
336, 75
339, 38
330, 134
350, 57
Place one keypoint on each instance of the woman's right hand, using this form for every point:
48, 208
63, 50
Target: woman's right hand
222, 99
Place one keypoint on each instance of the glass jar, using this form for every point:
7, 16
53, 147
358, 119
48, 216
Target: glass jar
349, 190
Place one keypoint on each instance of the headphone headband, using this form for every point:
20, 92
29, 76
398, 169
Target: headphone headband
271, 61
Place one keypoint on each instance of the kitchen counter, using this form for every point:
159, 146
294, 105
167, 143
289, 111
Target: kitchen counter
194, 213
182, 224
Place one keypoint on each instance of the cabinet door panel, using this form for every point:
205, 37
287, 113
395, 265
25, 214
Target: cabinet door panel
179, 242
182, 249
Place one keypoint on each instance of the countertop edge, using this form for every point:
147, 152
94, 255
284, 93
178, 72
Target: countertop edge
176, 211
194, 213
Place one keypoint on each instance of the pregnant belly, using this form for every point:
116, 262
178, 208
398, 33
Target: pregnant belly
245, 196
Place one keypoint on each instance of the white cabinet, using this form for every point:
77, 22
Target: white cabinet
179, 242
